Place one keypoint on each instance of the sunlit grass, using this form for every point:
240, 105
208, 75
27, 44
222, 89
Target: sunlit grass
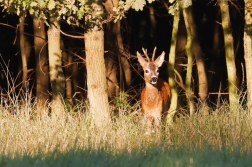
220, 139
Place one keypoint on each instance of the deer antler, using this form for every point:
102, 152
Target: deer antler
145, 54
153, 54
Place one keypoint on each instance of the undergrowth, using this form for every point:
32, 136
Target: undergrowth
220, 139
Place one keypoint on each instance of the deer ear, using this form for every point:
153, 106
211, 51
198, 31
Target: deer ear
141, 59
159, 61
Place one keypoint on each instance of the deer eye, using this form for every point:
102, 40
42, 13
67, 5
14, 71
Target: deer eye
147, 71
157, 71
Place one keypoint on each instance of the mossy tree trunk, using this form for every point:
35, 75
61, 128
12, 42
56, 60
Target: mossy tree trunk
229, 55
248, 51
171, 65
188, 81
198, 54
96, 72
57, 77
42, 66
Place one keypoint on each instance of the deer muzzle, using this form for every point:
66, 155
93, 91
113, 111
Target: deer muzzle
154, 80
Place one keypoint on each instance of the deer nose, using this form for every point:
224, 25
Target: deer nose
154, 80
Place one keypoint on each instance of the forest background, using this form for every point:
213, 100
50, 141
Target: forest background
210, 34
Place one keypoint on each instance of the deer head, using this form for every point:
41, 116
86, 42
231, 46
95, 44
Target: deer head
150, 67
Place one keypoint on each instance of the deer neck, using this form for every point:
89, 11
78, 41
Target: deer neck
151, 92
151, 87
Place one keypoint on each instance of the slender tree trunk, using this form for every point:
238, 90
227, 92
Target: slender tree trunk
111, 74
181, 61
215, 56
171, 65
67, 63
189, 92
57, 77
229, 52
96, 72
25, 49
115, 30
111, 61
248, 51
125, 65
79, 76
153, 23
198, 54
42, 66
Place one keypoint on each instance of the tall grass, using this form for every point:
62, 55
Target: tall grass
220, 139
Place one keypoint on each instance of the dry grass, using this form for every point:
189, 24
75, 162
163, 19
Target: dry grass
221, 139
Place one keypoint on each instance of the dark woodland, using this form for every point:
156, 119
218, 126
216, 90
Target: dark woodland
149, 28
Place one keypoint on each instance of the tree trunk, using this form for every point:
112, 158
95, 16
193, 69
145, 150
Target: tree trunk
198, 54
111, 75
181, 61
57, 77
115, 31
42, 66
25, 49
67, 63
124, 54
229, 54
171, 65
79, 76
189, 92
248, 51
214, 64
96, 72
111, 62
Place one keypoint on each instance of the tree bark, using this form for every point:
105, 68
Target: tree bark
229, 55
116, 40
111, 62
198, 54
248, 51
25, 49
181, 61
189, 92
67, 63
214, 64
57, 77
124, 54
79, 77
96, 72
42, 66
171, 65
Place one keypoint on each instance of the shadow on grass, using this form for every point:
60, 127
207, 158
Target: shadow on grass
156, 156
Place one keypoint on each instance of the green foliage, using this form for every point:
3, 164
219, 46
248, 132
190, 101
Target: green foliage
176, 4
43, 9
69, 10
124, 6
122, 103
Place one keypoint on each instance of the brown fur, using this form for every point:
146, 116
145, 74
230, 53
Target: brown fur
156, 95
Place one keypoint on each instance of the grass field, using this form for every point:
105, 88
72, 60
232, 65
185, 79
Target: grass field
220, 139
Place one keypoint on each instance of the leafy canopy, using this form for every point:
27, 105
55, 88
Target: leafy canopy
69, 10
176, 4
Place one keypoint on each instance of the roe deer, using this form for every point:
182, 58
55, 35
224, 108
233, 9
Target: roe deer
156, 95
